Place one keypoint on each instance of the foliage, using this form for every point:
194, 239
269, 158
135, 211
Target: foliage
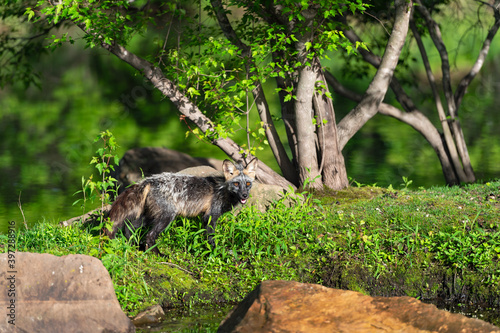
104, 160
428, 243
18, 52
221, 69
220, 74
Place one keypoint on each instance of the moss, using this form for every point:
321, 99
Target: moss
172, 277
350, 194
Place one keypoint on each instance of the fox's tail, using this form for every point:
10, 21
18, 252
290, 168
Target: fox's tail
128, 206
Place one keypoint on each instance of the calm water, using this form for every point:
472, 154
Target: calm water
199, 318
43, 193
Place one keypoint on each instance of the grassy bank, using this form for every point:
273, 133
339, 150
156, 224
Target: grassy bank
441, 245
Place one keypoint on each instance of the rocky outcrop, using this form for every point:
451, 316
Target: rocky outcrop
73, 293
287, 306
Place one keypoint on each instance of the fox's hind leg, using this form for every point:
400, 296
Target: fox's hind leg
160, 215
131, 226
157, 228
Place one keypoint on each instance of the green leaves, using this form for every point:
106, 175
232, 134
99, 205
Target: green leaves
30, 13
216, 72
105, 22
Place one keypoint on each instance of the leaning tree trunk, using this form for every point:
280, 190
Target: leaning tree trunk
452, 130
188, 109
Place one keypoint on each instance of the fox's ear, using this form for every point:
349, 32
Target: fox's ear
251, 168
229, 169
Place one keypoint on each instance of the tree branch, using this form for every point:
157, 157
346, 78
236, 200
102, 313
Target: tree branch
415, 119
437, 39
273, 138
428, 71
467, 79
191, 111
227, 28
377, 89
374, 60
466, 171
448, 137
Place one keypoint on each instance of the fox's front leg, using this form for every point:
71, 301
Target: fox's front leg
211, 221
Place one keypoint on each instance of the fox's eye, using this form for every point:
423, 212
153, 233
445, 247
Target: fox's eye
236, 184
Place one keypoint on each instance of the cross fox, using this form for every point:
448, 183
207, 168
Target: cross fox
157, 200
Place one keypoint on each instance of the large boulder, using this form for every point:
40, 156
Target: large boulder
287, 306
148, 161
46, 293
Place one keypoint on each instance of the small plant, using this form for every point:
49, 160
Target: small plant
406, 182
105, 161
310, 181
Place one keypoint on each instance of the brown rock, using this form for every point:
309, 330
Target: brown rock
263, 196
287, 306
202, 171
152, 315
73, 293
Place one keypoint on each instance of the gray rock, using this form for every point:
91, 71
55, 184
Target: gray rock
73, 293
147, 161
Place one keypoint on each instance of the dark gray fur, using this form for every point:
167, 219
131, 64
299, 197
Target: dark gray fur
157, 200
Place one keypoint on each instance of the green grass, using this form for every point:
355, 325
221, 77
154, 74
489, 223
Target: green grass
441, 245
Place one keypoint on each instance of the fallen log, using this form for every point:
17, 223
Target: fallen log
89, 217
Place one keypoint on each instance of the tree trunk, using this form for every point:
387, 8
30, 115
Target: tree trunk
307, 158
306, 145
332, 166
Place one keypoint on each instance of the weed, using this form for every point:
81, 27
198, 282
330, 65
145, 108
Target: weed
104, 161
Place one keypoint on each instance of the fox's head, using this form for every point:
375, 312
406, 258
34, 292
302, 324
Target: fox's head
240, 179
